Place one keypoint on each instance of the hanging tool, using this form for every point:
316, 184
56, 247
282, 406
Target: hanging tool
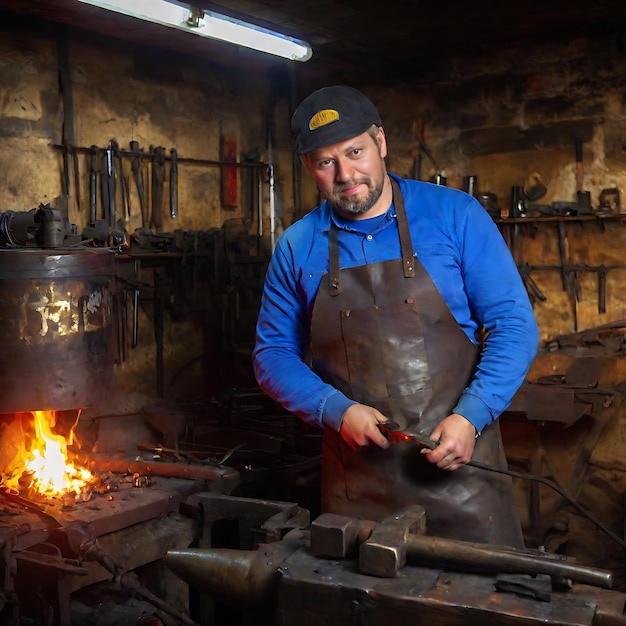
94, 171
104, 189
602, 289
71, 177
158, 179
120, 171
136, 168
564, 250
534, 293
136, 304
67, 130
583, 198
76, 178
173, 183
110, 183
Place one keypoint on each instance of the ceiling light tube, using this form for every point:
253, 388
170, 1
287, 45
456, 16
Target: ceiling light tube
209, 24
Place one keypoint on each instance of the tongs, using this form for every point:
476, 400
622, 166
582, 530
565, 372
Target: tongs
394, 435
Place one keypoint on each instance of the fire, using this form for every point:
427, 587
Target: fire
45, 468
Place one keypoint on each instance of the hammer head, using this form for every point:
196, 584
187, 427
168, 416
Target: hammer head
338, 536
384, 552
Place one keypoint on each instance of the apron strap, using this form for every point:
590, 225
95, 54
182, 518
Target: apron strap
334, 279
408, 257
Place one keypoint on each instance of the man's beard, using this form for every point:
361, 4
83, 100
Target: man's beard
354, 205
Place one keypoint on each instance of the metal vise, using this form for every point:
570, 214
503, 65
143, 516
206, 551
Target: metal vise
44, 227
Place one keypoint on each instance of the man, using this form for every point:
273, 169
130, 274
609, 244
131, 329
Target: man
375, 308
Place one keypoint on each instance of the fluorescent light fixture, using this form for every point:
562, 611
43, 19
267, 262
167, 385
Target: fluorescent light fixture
209, 24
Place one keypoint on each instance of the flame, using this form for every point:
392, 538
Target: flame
47, 469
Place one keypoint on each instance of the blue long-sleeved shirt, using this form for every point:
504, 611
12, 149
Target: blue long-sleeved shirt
462, 250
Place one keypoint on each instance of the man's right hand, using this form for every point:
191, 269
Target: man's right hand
360, 429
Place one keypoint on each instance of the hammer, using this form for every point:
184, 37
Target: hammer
385, 547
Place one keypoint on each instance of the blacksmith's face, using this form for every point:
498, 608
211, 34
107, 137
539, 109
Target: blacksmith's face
351, 174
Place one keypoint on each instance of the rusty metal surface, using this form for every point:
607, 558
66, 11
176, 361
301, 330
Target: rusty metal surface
239, 577
259, 521
286, 584
56, 334
46, 580
61, 549
223, 477
314, 591
138, 545
106, 514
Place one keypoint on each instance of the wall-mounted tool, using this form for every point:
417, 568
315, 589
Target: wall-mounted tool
94, 173
109, 184
534, 293
583, 198
602, 289
564, 253
136, 297
158, 178
173, 183
123, 180
137, 170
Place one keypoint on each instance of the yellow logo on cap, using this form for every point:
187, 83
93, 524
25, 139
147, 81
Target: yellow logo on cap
322, 118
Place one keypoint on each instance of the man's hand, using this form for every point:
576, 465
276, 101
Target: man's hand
359, 428
457, 438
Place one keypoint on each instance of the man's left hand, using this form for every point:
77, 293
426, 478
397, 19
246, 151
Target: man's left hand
457, 438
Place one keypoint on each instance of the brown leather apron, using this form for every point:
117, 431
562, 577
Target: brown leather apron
383, 335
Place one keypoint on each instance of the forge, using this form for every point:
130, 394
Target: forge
95, 539
80, 532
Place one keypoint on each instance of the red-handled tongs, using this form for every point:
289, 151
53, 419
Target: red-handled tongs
394, 435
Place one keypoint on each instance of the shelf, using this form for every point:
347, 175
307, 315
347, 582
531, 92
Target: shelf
598, 218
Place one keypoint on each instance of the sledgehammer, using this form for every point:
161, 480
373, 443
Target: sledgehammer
385, 547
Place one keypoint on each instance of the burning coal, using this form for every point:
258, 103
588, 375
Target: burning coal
34, 458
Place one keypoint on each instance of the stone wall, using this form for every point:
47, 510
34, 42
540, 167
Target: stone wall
500, 115
506, 114
158, 98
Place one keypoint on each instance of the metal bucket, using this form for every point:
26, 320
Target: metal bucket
56, 330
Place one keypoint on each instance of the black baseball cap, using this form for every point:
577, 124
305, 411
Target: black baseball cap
330, 115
